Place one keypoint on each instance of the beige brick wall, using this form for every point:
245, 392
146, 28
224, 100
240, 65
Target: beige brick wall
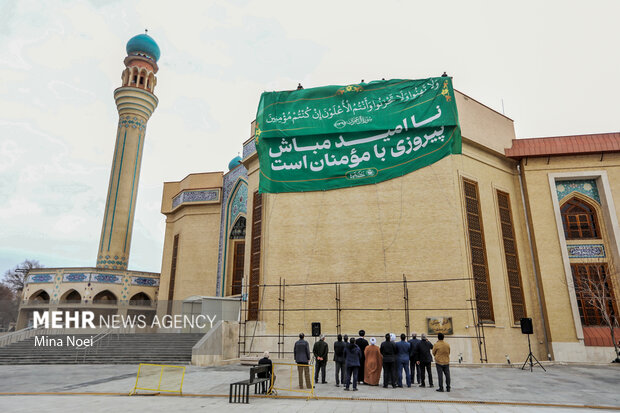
412, 225
198, 226
548, 243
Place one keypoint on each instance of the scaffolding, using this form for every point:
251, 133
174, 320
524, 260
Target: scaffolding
242, 320
406, 301
479, 326
281, 297
339, 308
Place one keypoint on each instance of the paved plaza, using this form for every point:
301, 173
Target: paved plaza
474, 389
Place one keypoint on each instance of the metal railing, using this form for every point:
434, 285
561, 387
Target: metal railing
96, 343
22, 334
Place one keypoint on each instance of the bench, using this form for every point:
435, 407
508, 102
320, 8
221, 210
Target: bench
240, 391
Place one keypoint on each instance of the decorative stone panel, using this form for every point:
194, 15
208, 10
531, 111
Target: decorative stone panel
207, 195
586, 251
145, 281
75, 277
106, 278
40, 278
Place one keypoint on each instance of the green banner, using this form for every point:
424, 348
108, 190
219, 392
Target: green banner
339, 136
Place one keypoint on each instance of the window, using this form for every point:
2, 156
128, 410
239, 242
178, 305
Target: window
257, 221
238, 233
173, 272
480, 269
579, 220
238, 261
238, 230
592, 281
512, 257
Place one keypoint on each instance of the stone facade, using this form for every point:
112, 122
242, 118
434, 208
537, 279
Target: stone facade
79, 289
549, 183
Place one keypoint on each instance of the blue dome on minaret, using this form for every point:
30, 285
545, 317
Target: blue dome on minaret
143, 43
235, 162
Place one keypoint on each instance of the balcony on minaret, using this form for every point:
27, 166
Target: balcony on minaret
139, 76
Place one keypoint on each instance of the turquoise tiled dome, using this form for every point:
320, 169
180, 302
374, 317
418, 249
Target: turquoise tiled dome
236, 161
145, 44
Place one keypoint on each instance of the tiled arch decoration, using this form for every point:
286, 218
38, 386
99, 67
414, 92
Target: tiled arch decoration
585, 187
232, 181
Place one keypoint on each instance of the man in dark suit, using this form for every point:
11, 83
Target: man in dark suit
339, 360
301, 351
415, 367
388, 351
320, 351
362, 343
424, 359
402, 361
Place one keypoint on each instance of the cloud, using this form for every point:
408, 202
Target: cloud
61, 61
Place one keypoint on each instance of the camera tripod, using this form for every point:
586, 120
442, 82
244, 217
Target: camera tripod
531, 358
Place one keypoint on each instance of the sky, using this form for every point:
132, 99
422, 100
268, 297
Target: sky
551, 66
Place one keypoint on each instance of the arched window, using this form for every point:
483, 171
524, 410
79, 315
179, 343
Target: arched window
71, 296
238, 230
105, 297
40, 297
579, 220
140, 299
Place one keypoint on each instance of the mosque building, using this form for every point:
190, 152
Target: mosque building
481, 239
499, 230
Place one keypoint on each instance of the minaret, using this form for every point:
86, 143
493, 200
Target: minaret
135, 102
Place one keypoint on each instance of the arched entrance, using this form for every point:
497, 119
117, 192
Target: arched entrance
140, 299
71, 297
105, 297
40, 297
237, 242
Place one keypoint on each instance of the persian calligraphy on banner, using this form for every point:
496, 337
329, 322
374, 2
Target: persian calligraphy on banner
339, 136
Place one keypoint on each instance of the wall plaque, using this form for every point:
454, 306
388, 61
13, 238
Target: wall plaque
439, 325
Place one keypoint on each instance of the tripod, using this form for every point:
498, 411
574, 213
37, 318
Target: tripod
531, 358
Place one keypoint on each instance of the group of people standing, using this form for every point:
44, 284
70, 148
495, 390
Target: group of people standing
360, 361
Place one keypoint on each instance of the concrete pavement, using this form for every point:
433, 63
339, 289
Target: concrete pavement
576, 385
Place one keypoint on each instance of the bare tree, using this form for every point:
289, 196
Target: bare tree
15, 277
8, 307
595, 288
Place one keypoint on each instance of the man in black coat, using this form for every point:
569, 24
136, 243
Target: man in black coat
415, 367
388, 351
301, 352
425, 358
362, 343
320, 351
339, 360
